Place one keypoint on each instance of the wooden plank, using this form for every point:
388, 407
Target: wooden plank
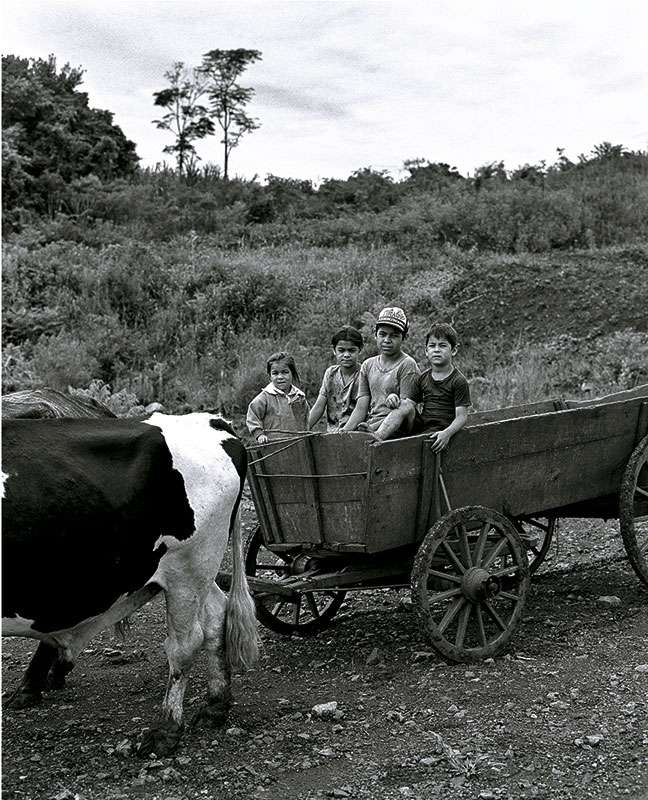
513, 412
532, 464
281, 498
310, 486
343, 459
394, 479
428, 509
262, 497
642, 423
626, 394
315, 490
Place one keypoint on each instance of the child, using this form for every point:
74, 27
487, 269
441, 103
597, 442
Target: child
388, 382
444, 391
339, 390
280, 410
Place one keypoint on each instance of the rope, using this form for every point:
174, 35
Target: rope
292, 443
301, 475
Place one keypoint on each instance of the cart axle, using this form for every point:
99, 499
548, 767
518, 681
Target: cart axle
478, 585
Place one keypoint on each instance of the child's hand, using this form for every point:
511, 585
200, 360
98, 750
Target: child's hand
262, 439
393, 400
440, 440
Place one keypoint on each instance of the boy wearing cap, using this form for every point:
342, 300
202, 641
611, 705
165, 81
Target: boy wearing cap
339, 391
388, 382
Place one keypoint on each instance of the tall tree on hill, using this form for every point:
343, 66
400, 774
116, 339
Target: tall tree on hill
186, 118
52, 138
228, 99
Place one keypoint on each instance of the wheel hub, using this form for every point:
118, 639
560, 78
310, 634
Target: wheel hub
301, 564
478, 585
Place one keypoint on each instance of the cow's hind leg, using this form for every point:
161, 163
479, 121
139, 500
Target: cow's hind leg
56, 676
219, 694
30, 691
184, 640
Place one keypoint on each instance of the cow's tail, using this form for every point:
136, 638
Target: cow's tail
242, 638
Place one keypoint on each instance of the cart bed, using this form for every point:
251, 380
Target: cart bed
346, 493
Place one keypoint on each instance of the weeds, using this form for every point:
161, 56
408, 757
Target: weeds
189, 325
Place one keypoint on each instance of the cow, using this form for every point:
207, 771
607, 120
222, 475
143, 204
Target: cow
39, 404
99, 516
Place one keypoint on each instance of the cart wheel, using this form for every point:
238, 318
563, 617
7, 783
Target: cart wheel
469, 583
633, 510
305, 614
536, 534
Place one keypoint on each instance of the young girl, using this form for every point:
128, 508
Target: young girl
280, 410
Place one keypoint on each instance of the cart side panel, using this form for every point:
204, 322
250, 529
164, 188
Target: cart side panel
626, 394
284, 502
396, 479
538, 463
311, 490
512, 412
342, 463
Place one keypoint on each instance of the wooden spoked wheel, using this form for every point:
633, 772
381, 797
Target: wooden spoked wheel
469, 583
633, 510
536, 534
303, 613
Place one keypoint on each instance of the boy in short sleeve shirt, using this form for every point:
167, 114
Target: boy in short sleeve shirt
338, 393
388, 382
444, 392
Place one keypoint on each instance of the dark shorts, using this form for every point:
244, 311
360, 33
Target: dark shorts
420, 426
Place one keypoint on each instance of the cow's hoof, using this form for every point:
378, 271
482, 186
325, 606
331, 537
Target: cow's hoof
56, 675
212, 715
23, 699
163, 740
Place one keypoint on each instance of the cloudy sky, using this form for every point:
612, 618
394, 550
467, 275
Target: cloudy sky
347, 84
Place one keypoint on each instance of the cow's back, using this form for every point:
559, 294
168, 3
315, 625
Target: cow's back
41, 403
85, 501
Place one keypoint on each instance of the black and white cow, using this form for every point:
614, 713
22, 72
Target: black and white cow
99, 515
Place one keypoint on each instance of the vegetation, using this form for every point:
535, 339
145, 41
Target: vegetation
53, 145
185, 116
173, 286
190, 120
227, 98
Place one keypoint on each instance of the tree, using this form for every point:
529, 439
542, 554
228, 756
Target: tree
428, 176
490, 175
51, 138
222, 69
186, 118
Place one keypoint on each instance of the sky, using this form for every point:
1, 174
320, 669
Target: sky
348, 84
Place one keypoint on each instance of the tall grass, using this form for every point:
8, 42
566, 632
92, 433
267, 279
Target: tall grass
190, 325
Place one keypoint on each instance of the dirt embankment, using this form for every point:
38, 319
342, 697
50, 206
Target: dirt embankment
581, 296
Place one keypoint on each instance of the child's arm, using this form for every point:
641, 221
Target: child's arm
254, 420
301, 411
359, 413
442, 438
316, 411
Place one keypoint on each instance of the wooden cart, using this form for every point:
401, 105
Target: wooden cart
339, 512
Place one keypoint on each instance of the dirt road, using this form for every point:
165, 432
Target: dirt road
562, 715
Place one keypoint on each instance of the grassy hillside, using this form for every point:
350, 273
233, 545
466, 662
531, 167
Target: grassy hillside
191, 326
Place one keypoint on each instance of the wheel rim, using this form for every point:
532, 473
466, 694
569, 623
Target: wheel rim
469, 583
304, 613
633, 510
536, 534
